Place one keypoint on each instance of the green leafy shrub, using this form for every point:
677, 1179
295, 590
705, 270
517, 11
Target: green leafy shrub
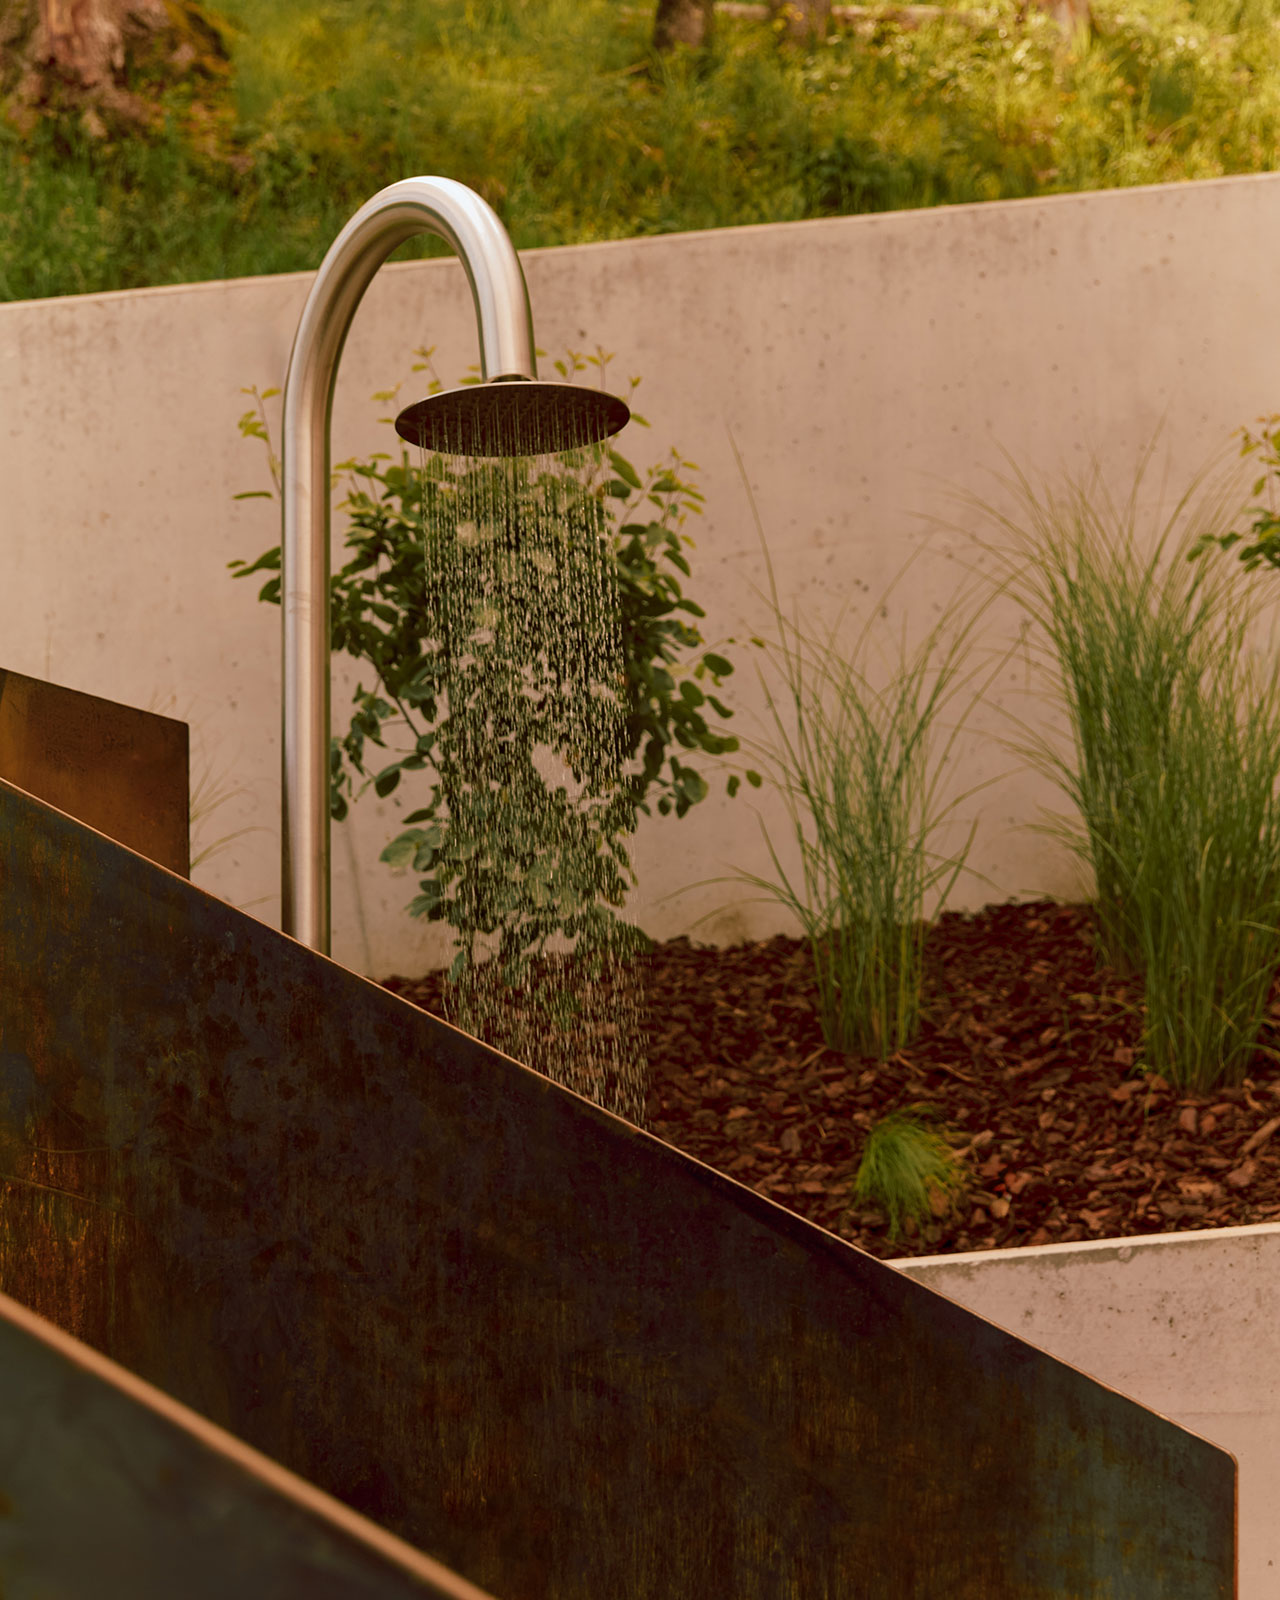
1260, 546
1173, 763
451, 627
1206, 889
909, 1170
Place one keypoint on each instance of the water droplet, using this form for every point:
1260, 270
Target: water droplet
524, 635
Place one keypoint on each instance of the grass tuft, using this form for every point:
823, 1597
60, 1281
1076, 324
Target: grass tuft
909, 1170
858, 767
858, 757
1173, 760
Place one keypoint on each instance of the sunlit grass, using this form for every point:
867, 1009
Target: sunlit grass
1174, 756
909, 1170
557, 112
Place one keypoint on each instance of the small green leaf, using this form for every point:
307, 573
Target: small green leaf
624, 469
400, 852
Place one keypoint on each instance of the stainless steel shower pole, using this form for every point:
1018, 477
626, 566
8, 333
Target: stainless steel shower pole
471, 228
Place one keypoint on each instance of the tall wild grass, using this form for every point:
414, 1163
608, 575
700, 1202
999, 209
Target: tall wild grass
1173, 759
858, 758
857, 749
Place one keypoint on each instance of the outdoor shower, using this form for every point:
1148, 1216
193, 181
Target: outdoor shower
504, 1323
509, 412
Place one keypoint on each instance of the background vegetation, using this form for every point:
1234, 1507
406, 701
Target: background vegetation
559, 112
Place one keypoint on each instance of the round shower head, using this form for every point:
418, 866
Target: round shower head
512, 417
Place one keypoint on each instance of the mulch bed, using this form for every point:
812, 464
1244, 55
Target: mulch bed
1027, 1054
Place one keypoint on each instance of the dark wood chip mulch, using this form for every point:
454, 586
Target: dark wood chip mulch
1028, 1053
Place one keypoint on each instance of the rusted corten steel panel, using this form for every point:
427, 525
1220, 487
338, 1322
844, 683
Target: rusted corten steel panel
110, 1491
567, 1360
122, 771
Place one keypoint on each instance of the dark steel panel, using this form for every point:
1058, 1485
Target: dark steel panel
122, 771
564, 1358
109, 1491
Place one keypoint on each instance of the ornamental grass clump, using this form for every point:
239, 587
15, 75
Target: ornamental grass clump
858, 770
540, 705
909, 1170
1206, 890
859, 765
1172, 762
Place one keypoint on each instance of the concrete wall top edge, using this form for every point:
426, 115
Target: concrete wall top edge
919, 217
1102, 1249
167, 290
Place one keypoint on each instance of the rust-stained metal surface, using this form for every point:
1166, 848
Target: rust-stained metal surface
110, 1491
567, 1360
124, 772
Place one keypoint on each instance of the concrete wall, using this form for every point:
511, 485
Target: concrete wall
1187, 1324
866, 368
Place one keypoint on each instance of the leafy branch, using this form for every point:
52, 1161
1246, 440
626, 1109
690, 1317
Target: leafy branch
479, 679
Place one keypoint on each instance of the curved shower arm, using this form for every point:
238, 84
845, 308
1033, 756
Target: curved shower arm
471, 228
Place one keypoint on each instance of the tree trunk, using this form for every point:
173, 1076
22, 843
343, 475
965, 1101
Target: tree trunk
804, 19
83, 56
688, 22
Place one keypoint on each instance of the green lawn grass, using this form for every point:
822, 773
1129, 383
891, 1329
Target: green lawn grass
558, 113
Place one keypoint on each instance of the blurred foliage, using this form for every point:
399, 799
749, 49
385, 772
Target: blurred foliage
558, 112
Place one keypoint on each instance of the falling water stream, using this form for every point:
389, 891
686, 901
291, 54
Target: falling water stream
522, 585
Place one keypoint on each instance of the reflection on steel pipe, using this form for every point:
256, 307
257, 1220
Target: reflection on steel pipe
397, 213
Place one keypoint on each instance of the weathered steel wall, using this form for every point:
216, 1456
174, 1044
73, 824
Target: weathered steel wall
110, 1491
123, 771
562, 1357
